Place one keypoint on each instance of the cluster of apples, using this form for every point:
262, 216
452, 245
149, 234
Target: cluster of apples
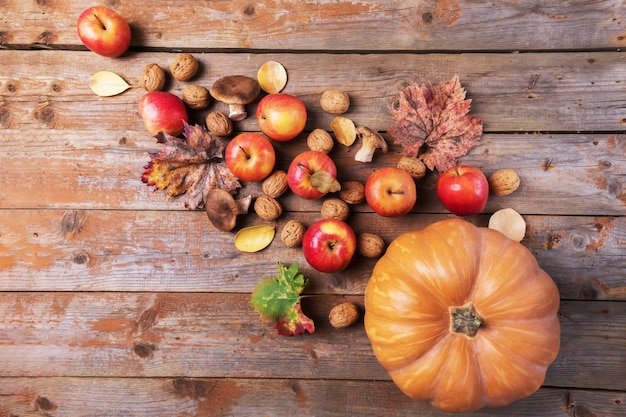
328, 244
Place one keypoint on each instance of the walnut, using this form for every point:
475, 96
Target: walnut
352, 192
370, 245
184, 67
335, 101
414, 166
335, 208
292, 233
196, 97
343, 315
152, 78
503, 182
320, 140
219, 124
267, 208
276, 184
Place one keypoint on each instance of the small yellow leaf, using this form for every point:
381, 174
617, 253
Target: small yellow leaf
254, 238
107, 83
272, 77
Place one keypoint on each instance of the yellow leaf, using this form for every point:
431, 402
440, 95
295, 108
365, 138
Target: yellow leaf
272, 77
107, 83
254, 238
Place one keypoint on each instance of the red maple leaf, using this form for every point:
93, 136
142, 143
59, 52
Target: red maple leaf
432, 123
191, 167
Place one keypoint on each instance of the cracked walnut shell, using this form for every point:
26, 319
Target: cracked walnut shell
292, 233
184, 67
276, 184
152, 78
267, 208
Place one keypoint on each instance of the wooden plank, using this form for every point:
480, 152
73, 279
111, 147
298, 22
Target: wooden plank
512, 92
179, 251
195, 397
75, 170
221, 336
402, 25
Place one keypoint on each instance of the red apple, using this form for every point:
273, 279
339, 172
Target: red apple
281, 116
328, 245
463, 190
250, 156
390, 191
305, 169
163, 112
104, 31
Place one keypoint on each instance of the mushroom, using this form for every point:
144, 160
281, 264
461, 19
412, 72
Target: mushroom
236, 91
371, 141
222, 208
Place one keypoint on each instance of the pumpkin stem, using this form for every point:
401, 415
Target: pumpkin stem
465, 320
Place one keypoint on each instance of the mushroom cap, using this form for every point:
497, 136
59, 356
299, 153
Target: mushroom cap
235, 89
222, 210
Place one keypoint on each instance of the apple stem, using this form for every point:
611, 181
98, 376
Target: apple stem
304, 168
244, 151
395, 192
332, 244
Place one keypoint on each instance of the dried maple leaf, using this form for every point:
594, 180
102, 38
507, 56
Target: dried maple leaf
277, 299
435, 118
191, 166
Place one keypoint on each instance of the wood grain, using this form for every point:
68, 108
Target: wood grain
220, 335
196, 397
398, 25
104, 250
530, 92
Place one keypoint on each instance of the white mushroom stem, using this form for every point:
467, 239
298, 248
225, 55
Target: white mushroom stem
370, 142
237, 112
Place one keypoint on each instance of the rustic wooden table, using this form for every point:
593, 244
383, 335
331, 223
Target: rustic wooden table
116, 302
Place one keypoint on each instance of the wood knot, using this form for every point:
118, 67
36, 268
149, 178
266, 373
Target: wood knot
46, 115
249, 10
80, 258
44, 40
72, 222
44, 404
5, 117
145, 350
193, 388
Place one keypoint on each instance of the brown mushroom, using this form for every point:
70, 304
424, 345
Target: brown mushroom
236, 91
371, 141
222, 209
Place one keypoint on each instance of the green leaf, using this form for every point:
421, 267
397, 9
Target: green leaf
277, 299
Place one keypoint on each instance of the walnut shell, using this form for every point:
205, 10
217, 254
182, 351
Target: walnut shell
503, 182
320, 140
276, 184
335, 101
292, 233
152, 78
344, 315
352, 192
184, 67
267, 208
335, 208
196, 97
414, 166
218, 123
370, 245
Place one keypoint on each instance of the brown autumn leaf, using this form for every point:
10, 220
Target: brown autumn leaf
433, 124
189, 167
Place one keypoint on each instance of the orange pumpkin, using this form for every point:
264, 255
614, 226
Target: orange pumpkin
462, 316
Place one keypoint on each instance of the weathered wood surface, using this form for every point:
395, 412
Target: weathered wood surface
116, 302
403, 25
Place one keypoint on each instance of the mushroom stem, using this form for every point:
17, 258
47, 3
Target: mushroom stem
371, 141
237, 112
